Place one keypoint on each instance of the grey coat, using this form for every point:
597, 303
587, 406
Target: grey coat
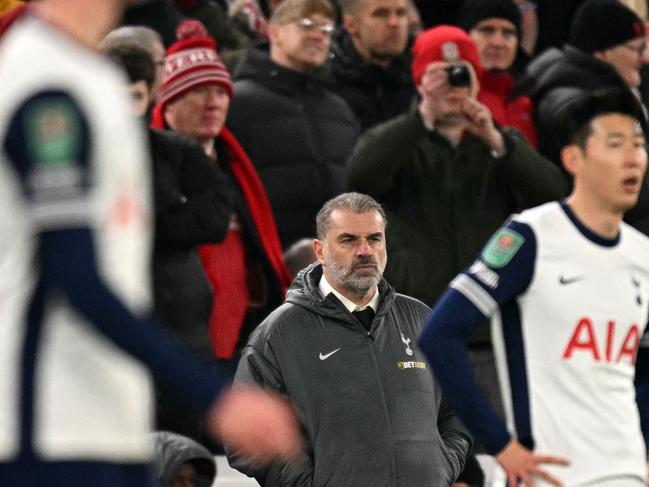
172, 450
372, 413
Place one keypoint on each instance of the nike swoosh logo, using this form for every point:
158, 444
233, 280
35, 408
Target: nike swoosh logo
327, 355
569, 280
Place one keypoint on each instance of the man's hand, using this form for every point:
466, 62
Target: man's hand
258, 425
520, 463
433, 88
480, 124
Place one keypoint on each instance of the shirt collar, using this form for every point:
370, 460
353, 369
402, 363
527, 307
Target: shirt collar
326, 288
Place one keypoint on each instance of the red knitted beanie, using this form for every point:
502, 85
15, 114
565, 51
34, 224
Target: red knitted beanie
192, 62
443, 43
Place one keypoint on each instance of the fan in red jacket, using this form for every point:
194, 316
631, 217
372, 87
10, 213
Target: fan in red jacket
495, 27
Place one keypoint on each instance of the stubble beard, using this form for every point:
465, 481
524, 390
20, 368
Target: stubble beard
359, 282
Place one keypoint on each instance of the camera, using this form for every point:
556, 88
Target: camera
458, 75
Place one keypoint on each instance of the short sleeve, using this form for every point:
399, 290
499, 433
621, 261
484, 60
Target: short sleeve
48, 143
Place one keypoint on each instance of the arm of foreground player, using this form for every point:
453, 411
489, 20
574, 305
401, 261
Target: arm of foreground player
492, 282
257, 422
443, 341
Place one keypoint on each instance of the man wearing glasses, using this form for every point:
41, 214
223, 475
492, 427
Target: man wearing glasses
606, 49
297, 133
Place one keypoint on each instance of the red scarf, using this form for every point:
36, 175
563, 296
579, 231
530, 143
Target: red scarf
256, 201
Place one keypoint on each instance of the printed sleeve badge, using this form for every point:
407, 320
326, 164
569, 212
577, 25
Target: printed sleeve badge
53, 132
502, 247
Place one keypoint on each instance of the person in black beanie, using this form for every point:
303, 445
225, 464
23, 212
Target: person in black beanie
606, 49
474, 11
495, 27
600, 25
496, 51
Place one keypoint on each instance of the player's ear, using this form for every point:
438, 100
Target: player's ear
570, 157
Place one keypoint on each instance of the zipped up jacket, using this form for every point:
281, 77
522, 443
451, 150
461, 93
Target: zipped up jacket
298, 135
371, 411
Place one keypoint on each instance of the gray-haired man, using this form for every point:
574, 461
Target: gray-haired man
342, 349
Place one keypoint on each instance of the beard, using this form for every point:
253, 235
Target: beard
356, 278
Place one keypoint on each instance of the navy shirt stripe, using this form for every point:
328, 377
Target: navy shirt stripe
517, 369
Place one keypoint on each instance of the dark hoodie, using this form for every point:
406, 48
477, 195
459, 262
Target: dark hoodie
172, 450
372, 413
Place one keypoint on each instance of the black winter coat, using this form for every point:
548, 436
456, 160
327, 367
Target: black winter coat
193, 204
556, 78
375, 94
372, 413
297, 134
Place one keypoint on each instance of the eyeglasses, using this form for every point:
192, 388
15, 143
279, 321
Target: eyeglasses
308, 25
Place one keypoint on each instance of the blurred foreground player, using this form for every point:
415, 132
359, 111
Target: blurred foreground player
567, 288
74, 338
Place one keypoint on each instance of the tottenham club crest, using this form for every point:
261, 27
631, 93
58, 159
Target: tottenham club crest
406, 342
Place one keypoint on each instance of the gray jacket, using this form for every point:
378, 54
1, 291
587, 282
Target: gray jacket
371, 412
172, 450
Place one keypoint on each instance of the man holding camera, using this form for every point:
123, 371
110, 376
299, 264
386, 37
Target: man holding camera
445, 173
448, 177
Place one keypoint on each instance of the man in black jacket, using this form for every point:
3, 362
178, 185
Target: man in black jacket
341, 348
298, 134
606, 49
370, 63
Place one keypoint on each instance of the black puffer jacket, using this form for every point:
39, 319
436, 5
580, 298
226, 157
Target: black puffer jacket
298, 135
193, 203
171, 450
375, 94
556, 78
371, 411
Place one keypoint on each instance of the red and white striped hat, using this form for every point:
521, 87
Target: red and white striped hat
192, 62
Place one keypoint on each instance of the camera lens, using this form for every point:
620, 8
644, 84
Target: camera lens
458, 75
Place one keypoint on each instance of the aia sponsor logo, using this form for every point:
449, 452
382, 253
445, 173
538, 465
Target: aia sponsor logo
585, 341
